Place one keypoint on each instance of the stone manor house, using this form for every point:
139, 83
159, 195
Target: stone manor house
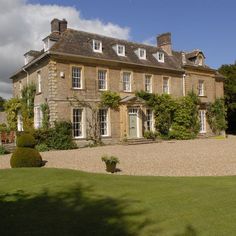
83, 65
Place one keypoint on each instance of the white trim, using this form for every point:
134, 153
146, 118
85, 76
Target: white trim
123, 51
107, 122
39, 80
83, 118
100, 45
131, 75
106, 76
38, 117
80, 78
183, 81
201, 88
150, 77
202, 115
168, 84
144, 57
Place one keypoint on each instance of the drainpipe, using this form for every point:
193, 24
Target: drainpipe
27, 78
184, 75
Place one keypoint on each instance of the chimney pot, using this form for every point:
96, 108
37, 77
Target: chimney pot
58, 26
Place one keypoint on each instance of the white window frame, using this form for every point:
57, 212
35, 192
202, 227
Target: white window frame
106, 122
39, 80
201, 88
126, 84
118, 46
99, 79
19, 122
144, 56
95, 44
78, 77
147, 76
160, 57
202, 118
38, 117
81, 123
151, 120
168, 85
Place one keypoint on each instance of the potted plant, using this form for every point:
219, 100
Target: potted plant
110, 162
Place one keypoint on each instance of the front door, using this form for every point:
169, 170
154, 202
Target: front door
133, 123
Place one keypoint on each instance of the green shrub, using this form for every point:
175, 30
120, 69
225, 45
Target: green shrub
3, 150
25, 157
59, 137
110, 159
42, 147
150, 134
26, 140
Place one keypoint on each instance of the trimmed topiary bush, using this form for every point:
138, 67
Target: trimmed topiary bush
26, 157
26, 140
25, 154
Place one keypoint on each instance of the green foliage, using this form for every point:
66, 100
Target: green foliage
25, 157
58, 137
110, 159
42, 147
26, 140
229, 71
12, 107
28, 95
3, 150
45, 120
150, 134
174, 118
185, 122
216, 113
163, 106
110, 99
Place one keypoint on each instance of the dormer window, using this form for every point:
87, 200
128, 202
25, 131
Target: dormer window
48, 43
200, 61
160, 56
142, 53
97, 46
120, 50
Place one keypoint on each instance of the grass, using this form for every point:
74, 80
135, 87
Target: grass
66, 202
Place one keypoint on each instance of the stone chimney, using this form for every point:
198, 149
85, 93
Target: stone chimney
164, 42
58, 26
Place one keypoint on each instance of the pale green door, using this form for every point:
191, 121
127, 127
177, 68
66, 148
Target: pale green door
133, 123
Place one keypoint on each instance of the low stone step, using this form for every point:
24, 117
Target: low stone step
140, 141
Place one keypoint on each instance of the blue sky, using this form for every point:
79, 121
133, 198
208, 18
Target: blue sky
205, 24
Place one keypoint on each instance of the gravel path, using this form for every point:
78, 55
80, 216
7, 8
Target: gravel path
201, 157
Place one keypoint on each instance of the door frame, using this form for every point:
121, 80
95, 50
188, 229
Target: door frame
137, 121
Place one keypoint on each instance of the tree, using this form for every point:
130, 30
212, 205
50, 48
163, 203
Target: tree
2, 100
229, 71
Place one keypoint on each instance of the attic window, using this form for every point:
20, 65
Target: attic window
142, 53
160, 57
97, 46
120, 50
48, 43
200, 61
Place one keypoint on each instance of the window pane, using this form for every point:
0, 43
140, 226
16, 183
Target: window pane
103, 122
76, 77
149, 118
102, 74
166, 85
148, 85
77, 122
126, 81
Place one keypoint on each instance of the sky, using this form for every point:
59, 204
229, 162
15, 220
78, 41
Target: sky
208, 25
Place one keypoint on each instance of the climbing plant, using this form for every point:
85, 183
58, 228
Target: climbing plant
45, 111
110, 99
174, 118
216, 113
12, 107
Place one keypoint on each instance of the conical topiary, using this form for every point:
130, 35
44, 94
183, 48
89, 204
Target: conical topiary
25, 154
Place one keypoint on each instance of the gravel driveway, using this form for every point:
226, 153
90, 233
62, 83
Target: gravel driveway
200, 157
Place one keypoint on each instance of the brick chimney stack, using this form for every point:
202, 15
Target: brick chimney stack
164, 42
58, 26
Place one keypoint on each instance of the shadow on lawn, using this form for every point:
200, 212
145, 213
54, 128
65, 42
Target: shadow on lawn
75, 212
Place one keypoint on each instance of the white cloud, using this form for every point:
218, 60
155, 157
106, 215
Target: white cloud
23, 26
150, 41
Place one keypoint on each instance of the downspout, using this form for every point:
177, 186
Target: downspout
27, 78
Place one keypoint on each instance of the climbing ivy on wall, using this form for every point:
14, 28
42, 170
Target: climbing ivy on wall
174, 118
216, 113
45, 120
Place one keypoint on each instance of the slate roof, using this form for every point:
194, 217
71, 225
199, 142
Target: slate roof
80, 43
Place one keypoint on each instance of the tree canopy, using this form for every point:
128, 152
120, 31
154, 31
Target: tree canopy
229, 71
2, 100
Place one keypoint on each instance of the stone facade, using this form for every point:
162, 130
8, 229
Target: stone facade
57, 90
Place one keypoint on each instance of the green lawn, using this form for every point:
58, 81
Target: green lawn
65, 202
